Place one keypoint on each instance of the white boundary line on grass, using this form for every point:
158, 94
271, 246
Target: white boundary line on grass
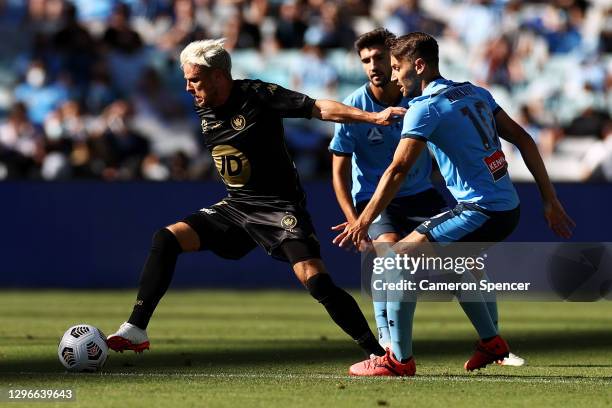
441, 378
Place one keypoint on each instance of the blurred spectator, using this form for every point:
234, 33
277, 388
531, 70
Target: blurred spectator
75, 46
526, 119
100, 92
73, 121
20, 144
475, 23
153, 101
597, 162
598, 159
408, 17
591, 122
45, 15
559, 27
312, 73
119, 36
332, 29
126, 55
39, 94
118, 145
12, 12
290, 27
240, 33
98, 10
153, 169
184, 29
605, 37
179, 166
499, 66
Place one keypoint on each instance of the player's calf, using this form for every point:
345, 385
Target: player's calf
344, 311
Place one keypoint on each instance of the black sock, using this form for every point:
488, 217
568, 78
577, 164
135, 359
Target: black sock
344, 311
155, 277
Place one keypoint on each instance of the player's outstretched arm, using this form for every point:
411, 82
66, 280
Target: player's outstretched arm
555, 214
406, 154
338, 112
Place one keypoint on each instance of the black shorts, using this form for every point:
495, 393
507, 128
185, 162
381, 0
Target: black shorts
406, 213
232, 229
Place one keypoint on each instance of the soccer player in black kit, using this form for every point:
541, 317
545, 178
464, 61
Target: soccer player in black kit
242, 123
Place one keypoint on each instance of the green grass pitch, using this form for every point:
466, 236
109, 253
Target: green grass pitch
280, 349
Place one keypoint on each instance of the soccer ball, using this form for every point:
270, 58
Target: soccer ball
83, 348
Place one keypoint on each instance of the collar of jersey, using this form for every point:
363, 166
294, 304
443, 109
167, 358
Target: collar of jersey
230, 104
436, 85
368, 91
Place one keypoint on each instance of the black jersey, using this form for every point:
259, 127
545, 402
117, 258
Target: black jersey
246, 139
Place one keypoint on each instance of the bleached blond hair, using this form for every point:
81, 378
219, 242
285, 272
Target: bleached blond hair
207, 53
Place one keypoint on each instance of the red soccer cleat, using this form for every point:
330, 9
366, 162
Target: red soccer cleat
385, 365
487, 352
128, 337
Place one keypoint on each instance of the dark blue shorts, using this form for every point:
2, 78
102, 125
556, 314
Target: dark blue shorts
406, 213
469, 223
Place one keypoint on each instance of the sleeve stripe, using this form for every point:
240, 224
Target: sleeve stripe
339, 153
417, 137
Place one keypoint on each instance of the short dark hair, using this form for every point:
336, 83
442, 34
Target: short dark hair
379, 36
415, 45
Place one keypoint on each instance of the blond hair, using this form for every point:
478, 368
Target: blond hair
207, 53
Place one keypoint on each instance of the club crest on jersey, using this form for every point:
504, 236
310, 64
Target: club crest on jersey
289, 222
238, 122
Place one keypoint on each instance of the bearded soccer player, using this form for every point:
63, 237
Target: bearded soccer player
242, 123
461, 124
361, 154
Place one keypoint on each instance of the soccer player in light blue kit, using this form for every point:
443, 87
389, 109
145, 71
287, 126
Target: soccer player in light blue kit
461, 123
361, 154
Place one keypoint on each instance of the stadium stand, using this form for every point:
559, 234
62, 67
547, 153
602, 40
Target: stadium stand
92, 90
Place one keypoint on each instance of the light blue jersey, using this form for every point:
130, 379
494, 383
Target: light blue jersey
457, 121
372, 148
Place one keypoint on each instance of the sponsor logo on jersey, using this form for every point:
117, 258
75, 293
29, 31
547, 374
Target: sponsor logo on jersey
375, 136
208, 126
208, 211
232, 164
289, 222
497, 165
238, 122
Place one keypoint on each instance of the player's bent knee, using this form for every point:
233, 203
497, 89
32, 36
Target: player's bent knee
165, 241
186, 236
306, 269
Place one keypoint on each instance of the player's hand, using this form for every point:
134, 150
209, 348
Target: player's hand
354, 233
557, 219
390, 115
364, 244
